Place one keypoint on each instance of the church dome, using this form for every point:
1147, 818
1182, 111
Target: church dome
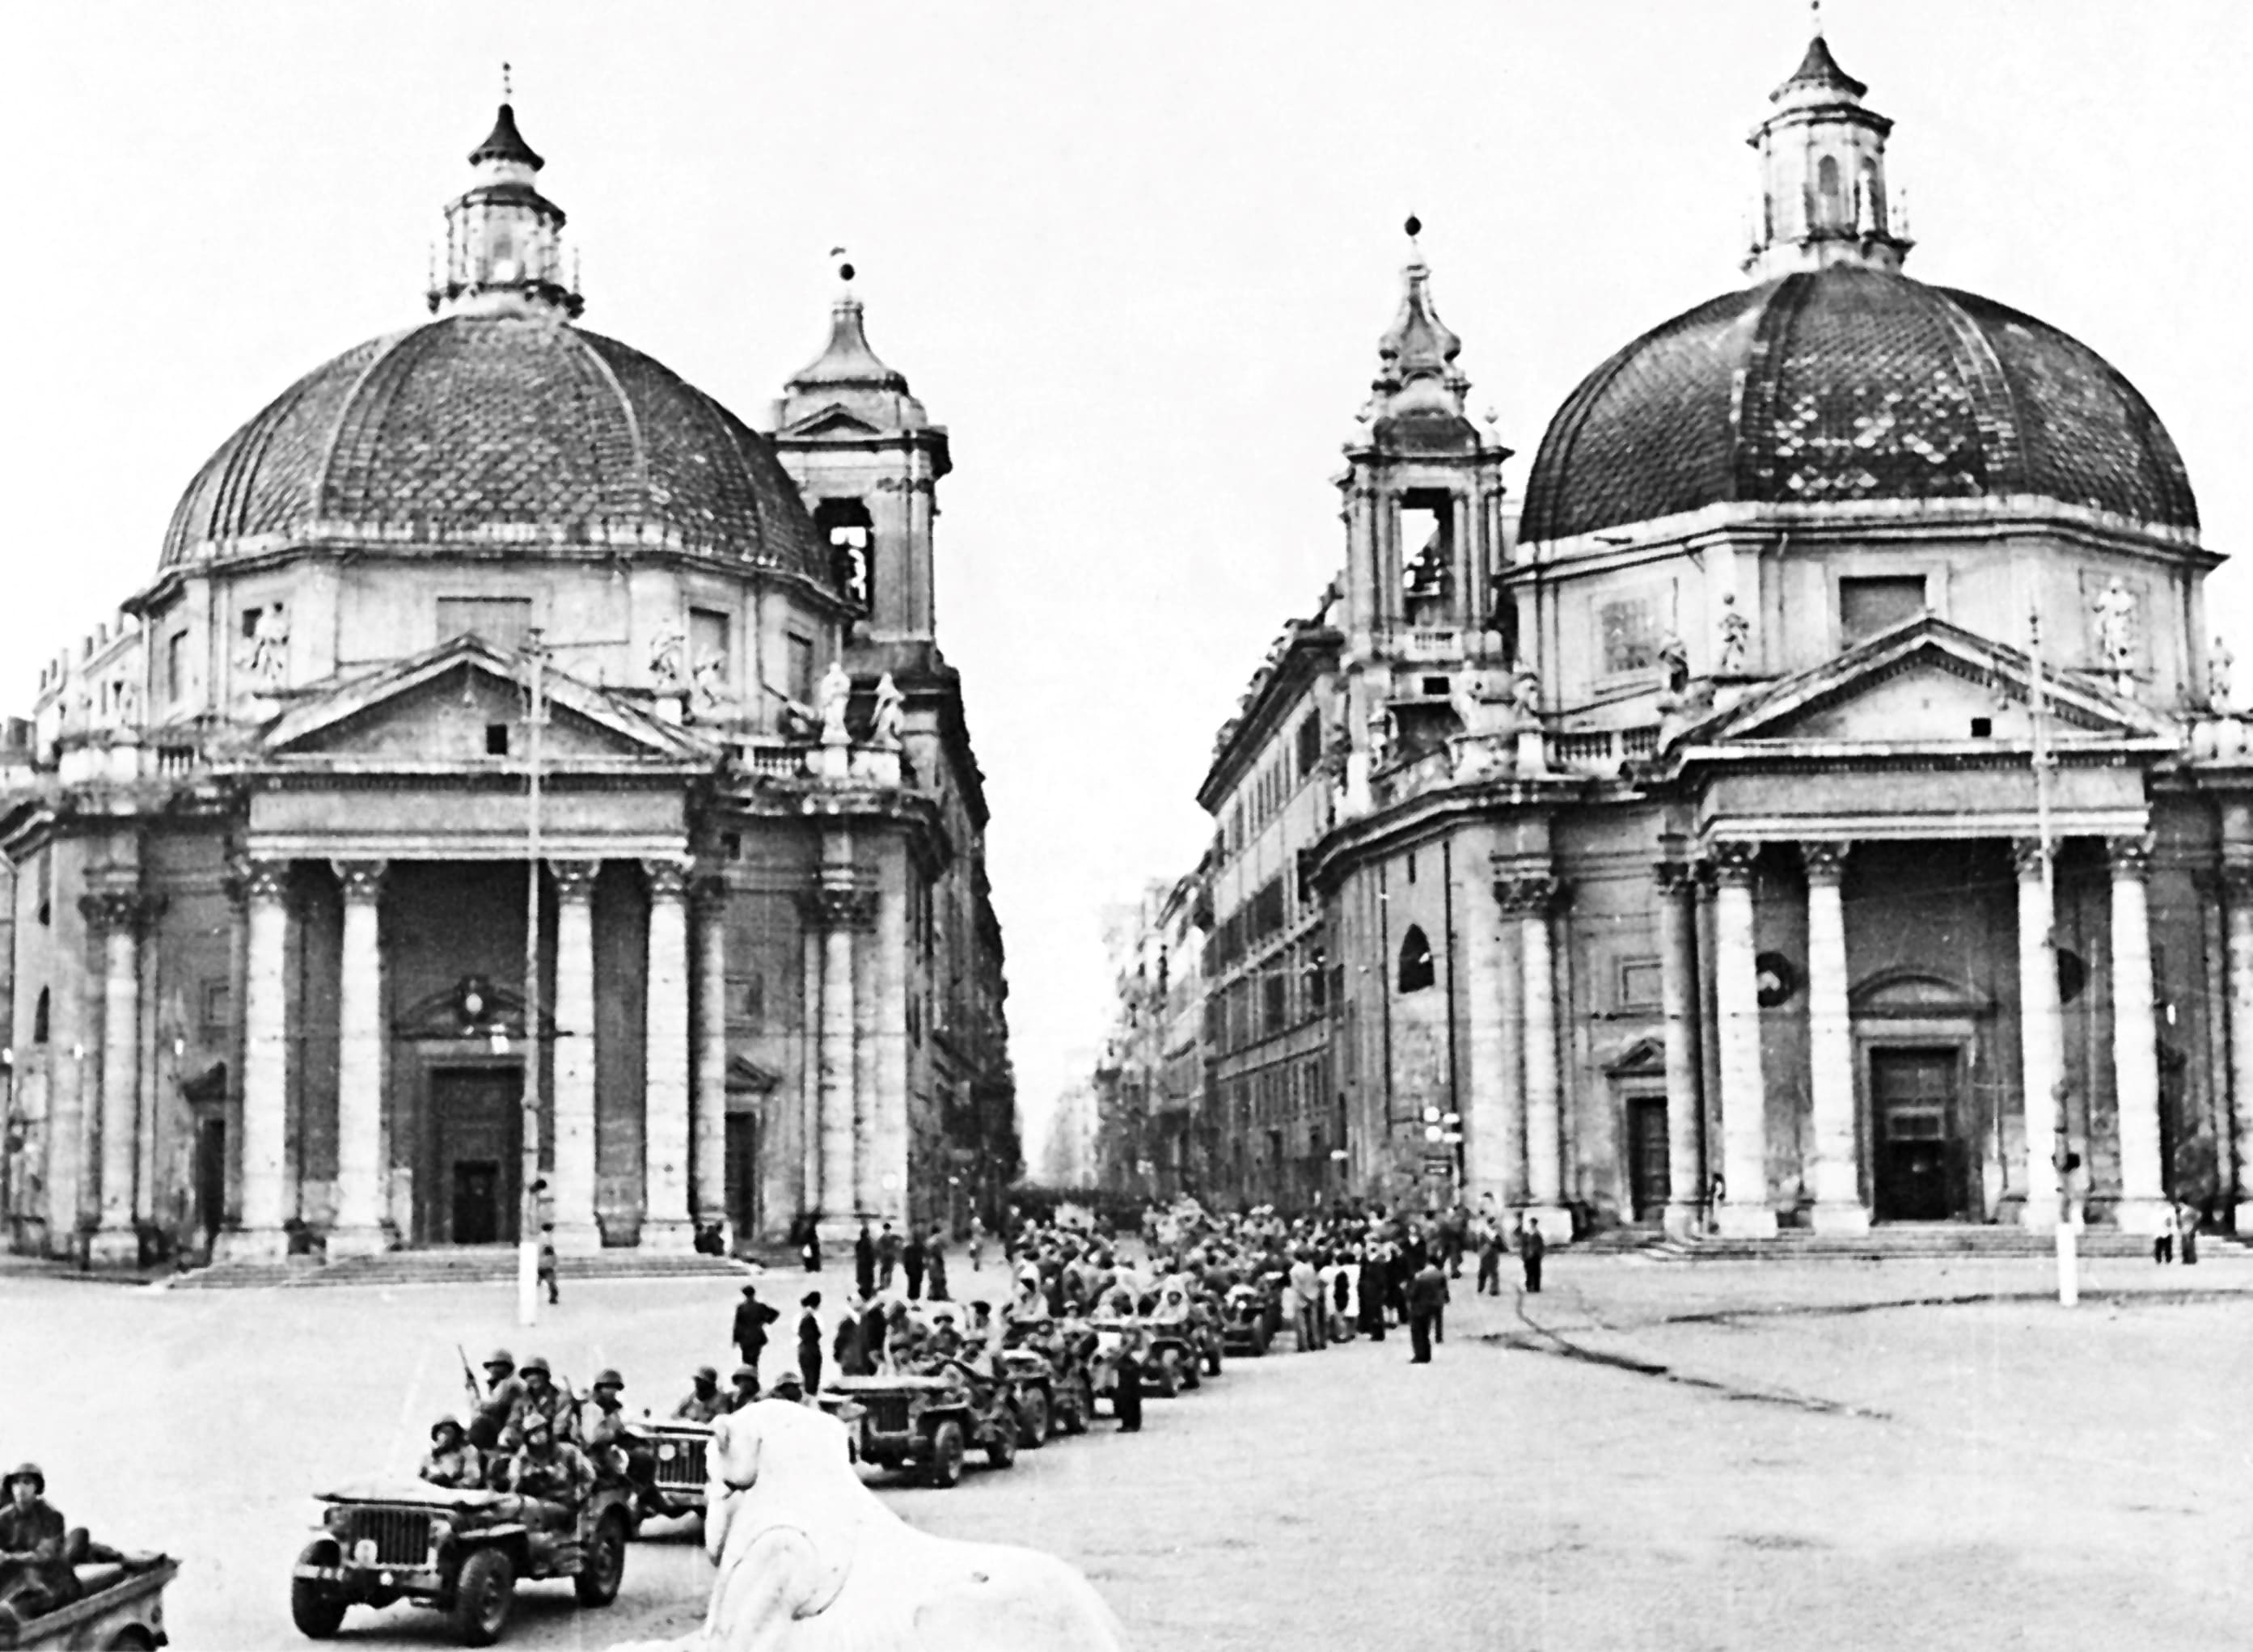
1845, 385
511, 427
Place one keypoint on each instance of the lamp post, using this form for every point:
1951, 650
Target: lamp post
528, 1250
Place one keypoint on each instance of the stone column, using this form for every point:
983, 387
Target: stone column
1678, 992
1837, 1171
665, 1224
1530, 900
1486, 1136
1746, 1212
2135, 1039
572, 1180
358, 1230
838, 909
115, 916
2237, 885
891, 1135
265, 1067
710, 1154
2041, 1034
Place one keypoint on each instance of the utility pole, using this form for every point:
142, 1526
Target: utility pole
2068, 1253
528, 1250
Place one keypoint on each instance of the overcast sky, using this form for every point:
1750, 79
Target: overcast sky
1137, 258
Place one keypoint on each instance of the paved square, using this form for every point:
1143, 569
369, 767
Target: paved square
1647, 1455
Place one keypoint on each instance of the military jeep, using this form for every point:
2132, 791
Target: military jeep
121, 1604
927, 1424
458, 1551
674, 1484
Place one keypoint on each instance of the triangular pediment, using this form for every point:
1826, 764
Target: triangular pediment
475, 1006
1917, 995
1645, 1058
834, 419
748, 1077
1926, 682
444, 708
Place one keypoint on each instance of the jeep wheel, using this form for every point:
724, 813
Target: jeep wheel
482, 1596
945, 1467
605, 1565
1035, 1423
317, 1607
1002, 1449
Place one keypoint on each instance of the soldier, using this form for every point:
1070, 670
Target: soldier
453, 1461
603, 1426
551, 1476
503, 1389
946, 1342
745, 1388
36, 1574
705, 1400
541, 1397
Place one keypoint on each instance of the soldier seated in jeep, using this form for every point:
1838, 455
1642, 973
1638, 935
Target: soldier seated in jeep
550, 1477
453, 1461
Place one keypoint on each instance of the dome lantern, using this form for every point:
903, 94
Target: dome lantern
1823, 193
504, 239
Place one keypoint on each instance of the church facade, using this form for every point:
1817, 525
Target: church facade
1819, 805
518, 766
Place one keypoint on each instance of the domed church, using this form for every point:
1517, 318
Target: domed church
518, 767
1821, 808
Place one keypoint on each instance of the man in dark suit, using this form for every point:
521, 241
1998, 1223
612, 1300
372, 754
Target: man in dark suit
749, 1334
1428, 1293
1531, 1249
864, 1262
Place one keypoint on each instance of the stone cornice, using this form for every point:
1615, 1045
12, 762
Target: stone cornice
1426, 815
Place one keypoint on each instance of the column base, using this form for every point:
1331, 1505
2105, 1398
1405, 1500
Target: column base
112, 1247
578, 1238
2148, 1217
359, 1241
1556, 1221
676, 1238
1683, 1221
1839, 1218
1745, 1222
251, 1244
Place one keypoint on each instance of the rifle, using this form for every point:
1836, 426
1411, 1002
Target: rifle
470, 1379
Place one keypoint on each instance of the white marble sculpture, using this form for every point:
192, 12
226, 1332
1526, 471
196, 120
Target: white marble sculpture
2219, 663
810, 1560
831, 696
890, 714
665, 648
1735, 640
265, 657
2115, 624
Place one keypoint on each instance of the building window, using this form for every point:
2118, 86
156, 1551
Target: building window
1310, 746
844, 526
506, 621
1627, 635
1416, 971
39, 1018
708, 646
1427, 550
47, 886
800, 687
747, 1000
1826, 190
1869, 605
176, 667
496, 740
216, 1000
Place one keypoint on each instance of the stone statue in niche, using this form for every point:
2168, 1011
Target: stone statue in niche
1736, 635
2114, 622
666, 649
1480, 706
710, 681
1380, 736
125, 707
890, 714
264, 660
830, 698
2219, 661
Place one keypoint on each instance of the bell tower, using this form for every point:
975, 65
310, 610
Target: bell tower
1423, 493
1822, 195
867, 460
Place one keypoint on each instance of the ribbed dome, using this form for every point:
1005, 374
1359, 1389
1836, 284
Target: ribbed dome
497, 428
1844, 385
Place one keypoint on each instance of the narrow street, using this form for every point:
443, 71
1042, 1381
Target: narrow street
1644, 1456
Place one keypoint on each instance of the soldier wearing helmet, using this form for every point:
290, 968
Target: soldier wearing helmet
503, 1388
453, 1461
551, 1476
541, 1397
36, 1573
745, 1388
705, 1400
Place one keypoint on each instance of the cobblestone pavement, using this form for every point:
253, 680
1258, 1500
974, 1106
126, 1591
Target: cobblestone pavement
1646, 1455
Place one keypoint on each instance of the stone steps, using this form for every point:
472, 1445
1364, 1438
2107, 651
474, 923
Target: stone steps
465, 1265
1906, 1241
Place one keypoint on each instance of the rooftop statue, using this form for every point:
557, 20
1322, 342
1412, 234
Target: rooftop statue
830, 699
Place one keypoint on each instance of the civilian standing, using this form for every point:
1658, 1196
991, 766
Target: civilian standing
1532, 1247
864, 1262
1427, 1292
809, 1342
912, 1261
750, 1334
